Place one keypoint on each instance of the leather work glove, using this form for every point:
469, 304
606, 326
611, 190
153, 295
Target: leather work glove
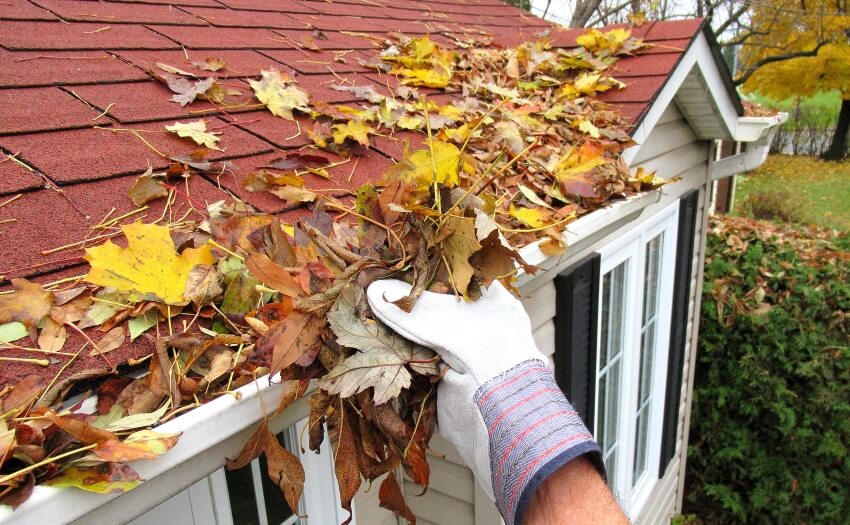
498, 404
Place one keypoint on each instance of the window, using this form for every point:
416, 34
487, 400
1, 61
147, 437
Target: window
635, 296
247, 496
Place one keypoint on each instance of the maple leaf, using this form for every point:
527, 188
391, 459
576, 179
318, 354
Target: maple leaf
185, 90
29, 304
274, 90
146, 188
197, 131
458, 247
532, 217
149, 267
439, 163
382, 356
210, 64
611, 41
353, 129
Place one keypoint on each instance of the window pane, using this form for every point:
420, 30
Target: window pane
242, 492
647, 350
651, 281
277, 510
641, 445
611, 416
651, 284
609, 364
240, 488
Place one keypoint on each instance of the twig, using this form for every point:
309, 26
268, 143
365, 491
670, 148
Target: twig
45, 461
39, 362
107, 28
38, 57
11, 200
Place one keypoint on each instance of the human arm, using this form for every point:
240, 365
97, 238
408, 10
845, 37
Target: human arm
574, 494
498, 403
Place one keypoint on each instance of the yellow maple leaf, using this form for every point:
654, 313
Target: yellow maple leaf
274, 89
354, 129
196, 131
149, 268
532, 217
579, 161
596, 41
438, 163
411, 122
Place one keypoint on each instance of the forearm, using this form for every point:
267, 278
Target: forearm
574, 494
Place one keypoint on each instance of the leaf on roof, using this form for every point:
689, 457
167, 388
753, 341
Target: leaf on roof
185, 90
173, 70
439, 163
28, 304
356, 130
146, 188
197, 131
297, 161
149, 268
210, 64
276, 90
420, 62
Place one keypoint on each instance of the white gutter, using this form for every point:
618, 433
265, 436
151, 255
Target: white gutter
210, 433
756, 134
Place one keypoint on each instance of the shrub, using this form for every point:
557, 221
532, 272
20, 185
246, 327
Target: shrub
772, 205
770, 427
811, 123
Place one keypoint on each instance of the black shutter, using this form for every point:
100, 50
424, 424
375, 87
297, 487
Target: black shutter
678, 324
575, 334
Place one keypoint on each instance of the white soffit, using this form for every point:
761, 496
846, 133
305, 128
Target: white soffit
697, 87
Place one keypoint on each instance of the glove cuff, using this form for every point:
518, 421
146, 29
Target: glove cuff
533, 431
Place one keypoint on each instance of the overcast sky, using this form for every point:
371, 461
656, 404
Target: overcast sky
562, 10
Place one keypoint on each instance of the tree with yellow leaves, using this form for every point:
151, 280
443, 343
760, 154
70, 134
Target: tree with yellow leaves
805, 52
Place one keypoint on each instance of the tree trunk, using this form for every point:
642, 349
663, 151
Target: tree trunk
838, 147
582, 11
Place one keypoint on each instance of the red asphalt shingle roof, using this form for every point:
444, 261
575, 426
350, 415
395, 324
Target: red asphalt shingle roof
67, 66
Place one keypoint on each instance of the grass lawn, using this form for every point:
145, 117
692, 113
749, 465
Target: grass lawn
819, 190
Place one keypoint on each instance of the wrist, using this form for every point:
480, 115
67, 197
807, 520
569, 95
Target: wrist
533, 431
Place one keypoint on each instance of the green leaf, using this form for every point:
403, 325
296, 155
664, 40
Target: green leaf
106, 478
140, 324
137, 420
12, 332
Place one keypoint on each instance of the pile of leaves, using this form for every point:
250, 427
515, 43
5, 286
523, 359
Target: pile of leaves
238, 294
771, 412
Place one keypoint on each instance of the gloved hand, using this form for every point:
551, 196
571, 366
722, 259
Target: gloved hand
499, 404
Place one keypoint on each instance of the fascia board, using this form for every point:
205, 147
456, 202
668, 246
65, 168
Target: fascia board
698, 56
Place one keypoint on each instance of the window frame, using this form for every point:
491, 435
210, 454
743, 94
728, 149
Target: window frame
630, 248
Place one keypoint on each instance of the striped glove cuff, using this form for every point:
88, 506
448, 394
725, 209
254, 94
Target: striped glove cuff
533, 431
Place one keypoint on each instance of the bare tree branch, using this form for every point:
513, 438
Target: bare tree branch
777, 58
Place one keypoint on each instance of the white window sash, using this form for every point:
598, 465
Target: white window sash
631, 248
